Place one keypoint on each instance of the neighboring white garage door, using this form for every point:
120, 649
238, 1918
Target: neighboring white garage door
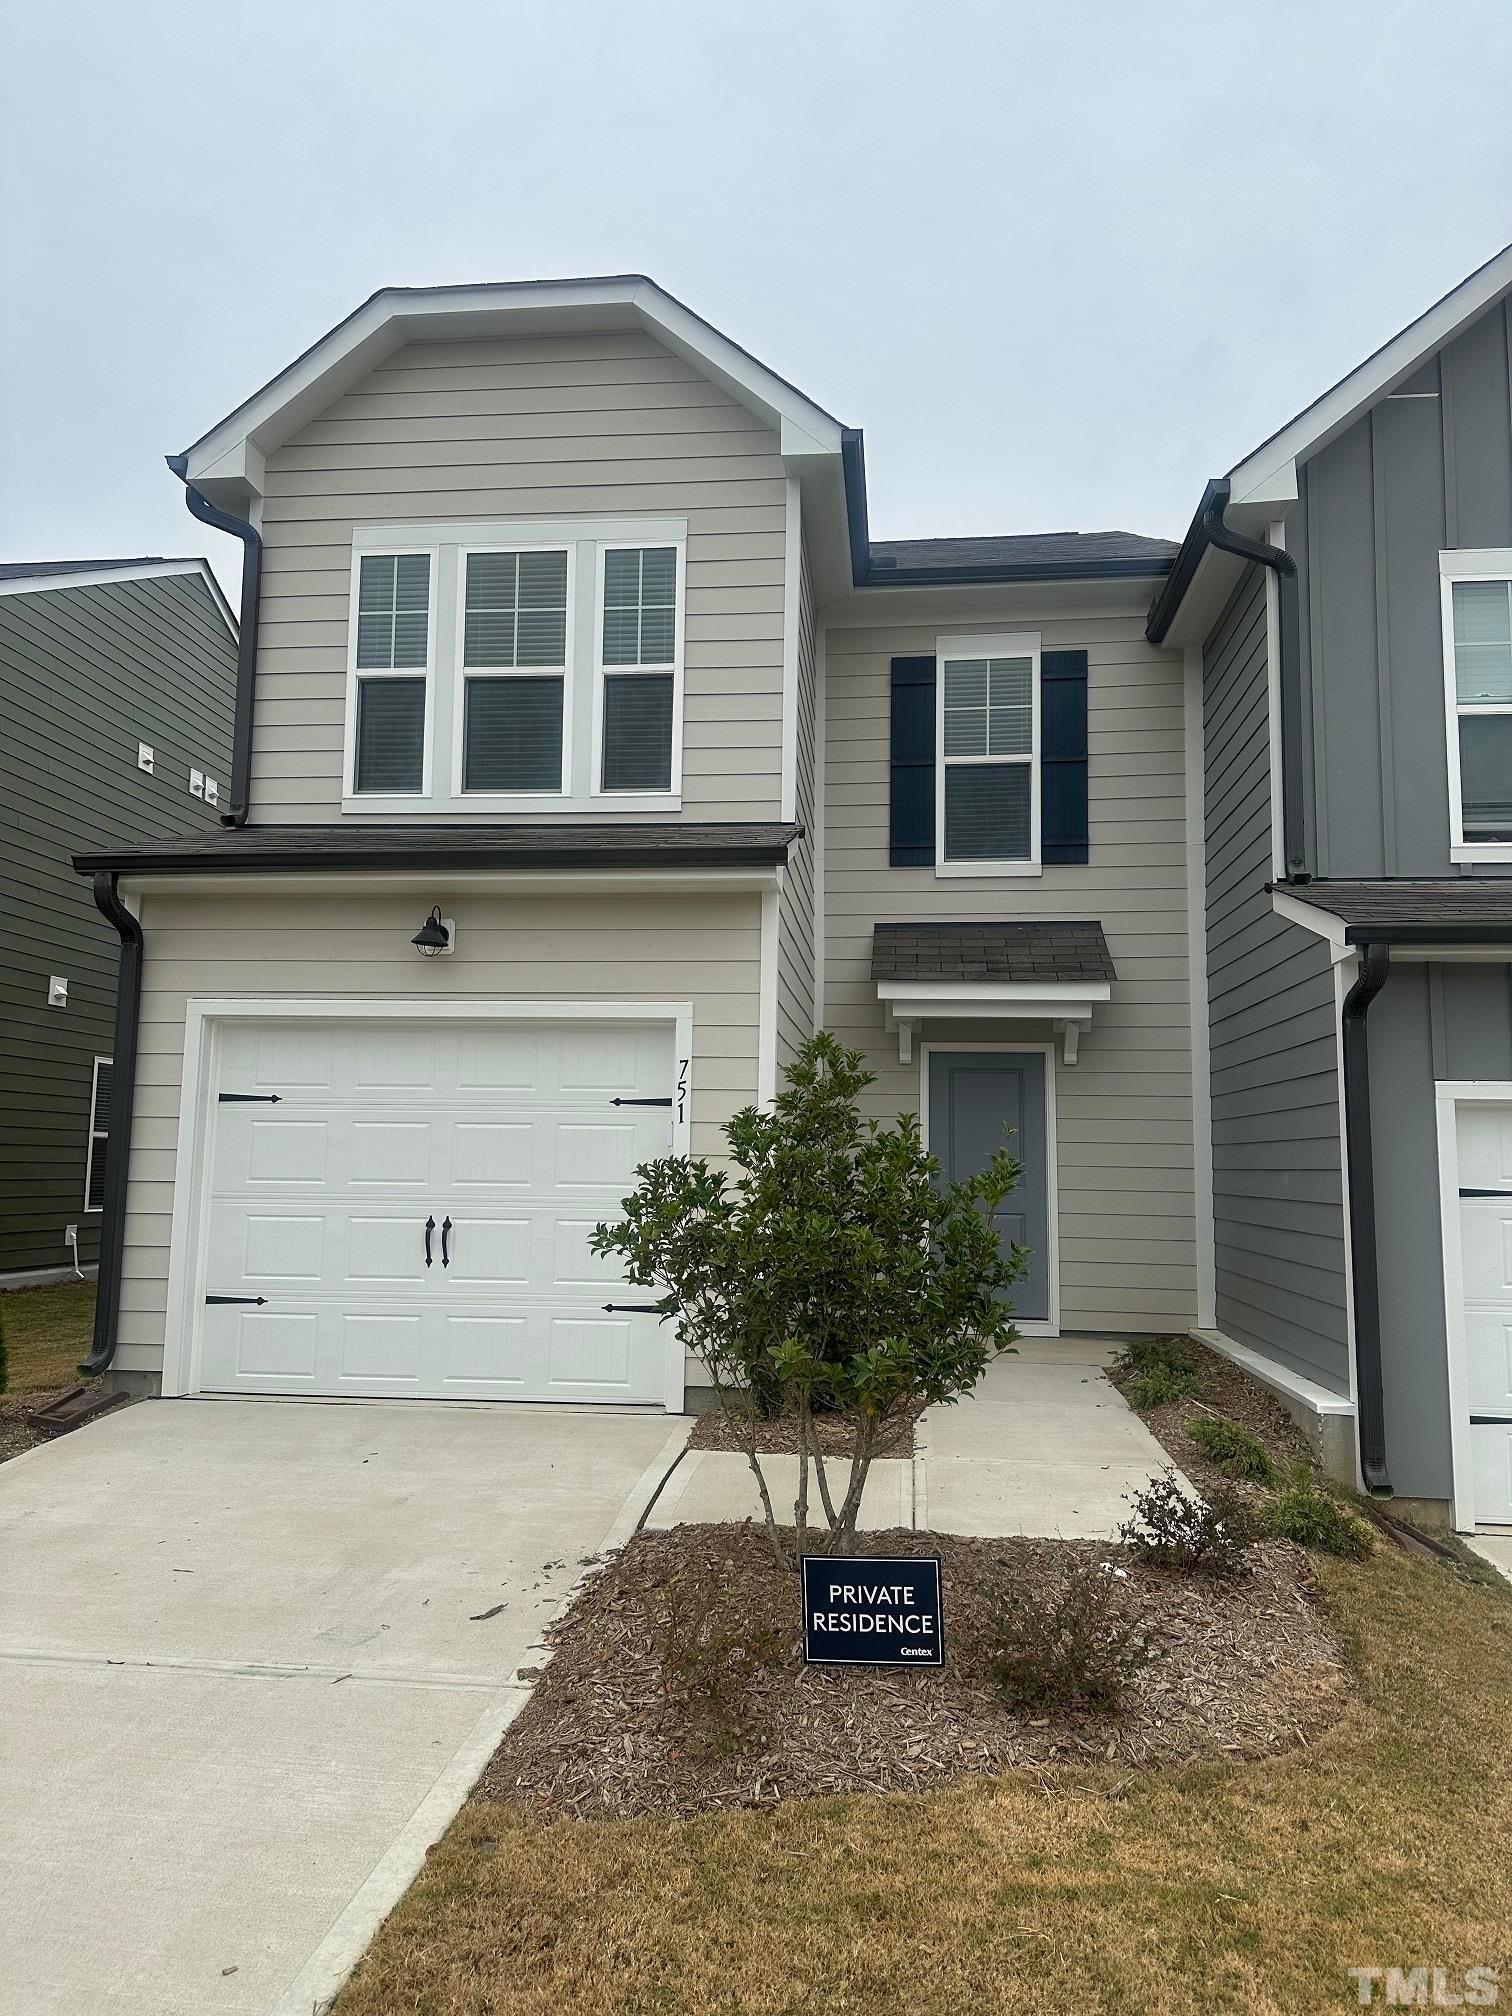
504, 1139
1485, 1205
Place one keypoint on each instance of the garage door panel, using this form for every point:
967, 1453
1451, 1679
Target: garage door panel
1488, 1337
1485, 1164
319, 1203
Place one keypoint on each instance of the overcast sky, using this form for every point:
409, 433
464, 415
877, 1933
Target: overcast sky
1062, 262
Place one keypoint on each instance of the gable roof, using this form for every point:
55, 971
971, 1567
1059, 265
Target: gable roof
37, 577
1259, 489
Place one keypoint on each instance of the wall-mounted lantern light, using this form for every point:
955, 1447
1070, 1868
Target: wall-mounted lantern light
433, 937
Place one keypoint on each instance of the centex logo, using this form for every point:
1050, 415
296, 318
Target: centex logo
1427, 1987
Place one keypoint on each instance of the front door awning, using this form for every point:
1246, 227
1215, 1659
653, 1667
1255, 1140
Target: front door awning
1009, 973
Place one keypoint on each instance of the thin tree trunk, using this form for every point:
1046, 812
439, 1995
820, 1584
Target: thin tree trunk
805, 1424
747, 1417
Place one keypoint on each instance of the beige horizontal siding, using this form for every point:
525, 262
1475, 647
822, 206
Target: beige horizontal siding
593, 425
1124, 1173
703, 949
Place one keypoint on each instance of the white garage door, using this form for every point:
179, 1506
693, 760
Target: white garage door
1485, 1174
404, 1210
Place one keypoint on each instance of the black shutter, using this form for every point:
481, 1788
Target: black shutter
1063, 757
911, 823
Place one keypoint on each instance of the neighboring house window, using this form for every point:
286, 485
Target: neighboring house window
520, 667
987, 781
1477, 615
99, 1136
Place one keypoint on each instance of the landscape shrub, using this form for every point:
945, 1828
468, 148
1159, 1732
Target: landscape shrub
1164, 1369
1079, 1648
1189, 1536
1313, 1517
708, 1663
1231, 1448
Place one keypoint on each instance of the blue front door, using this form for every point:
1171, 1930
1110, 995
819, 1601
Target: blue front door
978, 1100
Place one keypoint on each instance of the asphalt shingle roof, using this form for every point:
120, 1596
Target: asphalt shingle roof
1448, 904
1026, 549
16, 570
1038, 951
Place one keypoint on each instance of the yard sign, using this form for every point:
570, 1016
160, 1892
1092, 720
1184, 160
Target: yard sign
864, 1611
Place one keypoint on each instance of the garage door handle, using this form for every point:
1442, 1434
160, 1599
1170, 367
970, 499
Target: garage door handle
430, 1226
446, 1226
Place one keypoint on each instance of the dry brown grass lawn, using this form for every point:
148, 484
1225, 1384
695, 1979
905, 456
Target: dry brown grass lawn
1250, 1887
47, 1332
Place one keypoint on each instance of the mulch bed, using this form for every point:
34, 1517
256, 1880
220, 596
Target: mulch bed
1226, 1391
1240, 1672
779, 1437
16, 1433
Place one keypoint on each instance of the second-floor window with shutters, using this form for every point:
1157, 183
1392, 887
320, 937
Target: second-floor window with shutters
987, 780
524, 667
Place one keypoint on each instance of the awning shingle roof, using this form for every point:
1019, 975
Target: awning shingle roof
969, 952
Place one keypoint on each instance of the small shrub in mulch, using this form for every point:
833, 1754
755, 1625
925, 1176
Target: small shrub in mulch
1181, 1535
1159, 1372
623, 1722
1077, 1646
1231, 1448
1311, 1517
1223, 1390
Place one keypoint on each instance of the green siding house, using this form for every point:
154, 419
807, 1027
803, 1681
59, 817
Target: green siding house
117, 681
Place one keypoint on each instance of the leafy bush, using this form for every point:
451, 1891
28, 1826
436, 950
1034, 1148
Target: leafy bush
830, 1267
708, 1665
1165, 1371
1231, 1448
1080, 1649
1315, 1518
1189, 1536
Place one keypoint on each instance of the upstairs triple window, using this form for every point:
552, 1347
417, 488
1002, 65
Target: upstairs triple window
524, 667
1477, 611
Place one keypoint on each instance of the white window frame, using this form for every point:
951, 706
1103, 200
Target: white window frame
501, 801
1007, 644
1486, 563
448, 541
96, 1133
390, 801
601, 671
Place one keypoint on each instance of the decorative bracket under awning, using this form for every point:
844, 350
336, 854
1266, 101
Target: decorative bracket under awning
1067, 1007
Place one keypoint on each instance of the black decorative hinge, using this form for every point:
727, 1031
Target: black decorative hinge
633, 1308
1486, 1193
249, 1099
640, 1102
256, 1300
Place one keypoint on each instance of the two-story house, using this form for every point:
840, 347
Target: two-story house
117, 679
590, 754
1344, 599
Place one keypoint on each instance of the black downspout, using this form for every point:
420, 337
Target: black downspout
122, 1105
246, 643
1375, 966
1284, 567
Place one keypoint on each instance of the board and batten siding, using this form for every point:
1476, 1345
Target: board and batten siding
551, 426
1278, 1204
86, 673
699, 948
1428, 468
1124, 1175
795, 934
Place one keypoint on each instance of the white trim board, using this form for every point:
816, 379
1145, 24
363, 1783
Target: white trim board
146, 570
1204, 1228
1031, 1326
203, 1020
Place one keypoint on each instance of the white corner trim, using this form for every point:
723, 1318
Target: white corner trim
1319, 1400
792, 599
1461, 1468
1204, 1229
147, 570
203, 1022
766, 1033
821, 690
1276, 534
1346, 969
1263, 474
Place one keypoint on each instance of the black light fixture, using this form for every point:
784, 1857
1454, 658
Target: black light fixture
433, 936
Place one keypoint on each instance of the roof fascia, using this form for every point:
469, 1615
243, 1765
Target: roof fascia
229, 458
1268, 476
100, 577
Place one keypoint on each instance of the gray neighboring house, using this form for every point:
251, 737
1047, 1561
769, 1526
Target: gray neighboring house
1344, 598
117, 681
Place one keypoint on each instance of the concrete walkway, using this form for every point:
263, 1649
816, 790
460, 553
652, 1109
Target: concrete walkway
253, 1655
1045, 1445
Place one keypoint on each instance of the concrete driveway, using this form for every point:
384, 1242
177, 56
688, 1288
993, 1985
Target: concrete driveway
254, 1654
